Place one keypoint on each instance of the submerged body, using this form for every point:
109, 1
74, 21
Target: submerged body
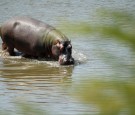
37, 39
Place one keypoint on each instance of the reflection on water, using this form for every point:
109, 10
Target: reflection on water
30, 71
32, 79
37, 81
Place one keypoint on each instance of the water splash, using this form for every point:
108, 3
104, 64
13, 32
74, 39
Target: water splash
78, 56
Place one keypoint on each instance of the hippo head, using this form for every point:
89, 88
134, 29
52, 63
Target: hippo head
63, 51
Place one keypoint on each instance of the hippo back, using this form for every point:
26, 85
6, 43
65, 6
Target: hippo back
30, 36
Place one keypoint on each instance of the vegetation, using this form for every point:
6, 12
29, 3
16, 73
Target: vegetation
113, 97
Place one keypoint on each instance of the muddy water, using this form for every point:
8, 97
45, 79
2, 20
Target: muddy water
44, 82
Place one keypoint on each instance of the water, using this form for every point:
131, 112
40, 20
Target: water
44, 82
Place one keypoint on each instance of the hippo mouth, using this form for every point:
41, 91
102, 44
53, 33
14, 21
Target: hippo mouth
65, 60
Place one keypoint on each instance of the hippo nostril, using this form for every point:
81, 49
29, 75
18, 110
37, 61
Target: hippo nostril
65, 60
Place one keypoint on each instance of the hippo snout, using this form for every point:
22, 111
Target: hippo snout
66, 60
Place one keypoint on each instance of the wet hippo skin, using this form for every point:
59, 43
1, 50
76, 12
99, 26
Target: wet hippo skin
35, 39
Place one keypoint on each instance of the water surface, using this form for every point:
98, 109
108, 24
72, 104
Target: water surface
47, 83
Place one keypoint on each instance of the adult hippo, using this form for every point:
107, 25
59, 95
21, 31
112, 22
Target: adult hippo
35, 39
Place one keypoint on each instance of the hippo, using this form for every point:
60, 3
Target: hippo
36, 39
